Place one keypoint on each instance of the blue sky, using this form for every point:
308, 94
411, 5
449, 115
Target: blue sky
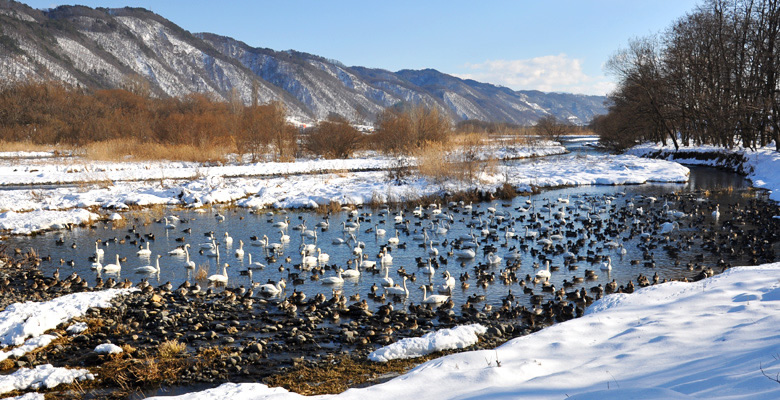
555, 45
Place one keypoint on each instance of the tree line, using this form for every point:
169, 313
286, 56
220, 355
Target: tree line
710, 78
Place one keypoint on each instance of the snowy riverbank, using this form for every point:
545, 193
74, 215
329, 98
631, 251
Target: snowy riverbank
707, 339
28, 209
762, 166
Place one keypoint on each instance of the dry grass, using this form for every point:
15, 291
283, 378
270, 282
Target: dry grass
124, 149
432, 162
170, 349
202, 272
340, 375
331, 208
24, 146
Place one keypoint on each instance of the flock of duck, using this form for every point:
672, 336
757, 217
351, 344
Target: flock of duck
536, 257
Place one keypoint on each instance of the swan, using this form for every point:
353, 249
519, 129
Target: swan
716, 213
97, 266
307, 261
272, 289
282, 225
143, 252
530, 234
379, 231
387, 281
260, 242
667, 227
309, 248
333, 280
189, 264
442, 229
449, 283
98, 251
113, 267
284, 238
208, 246
351, 273
240, 249
368, 264
169, 225
349, 227
465, 253
386, 258
399, 218
513, 255
228, 239
214, 252
179, 251
148, 269
544, 273
322, 257
434, 298
493, 259
432, 250
428, 269
397, 290
338, 240
254, 265
394, 239
607, 266
220, 279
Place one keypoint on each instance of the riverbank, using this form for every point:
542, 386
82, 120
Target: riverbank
762, 166
97, 192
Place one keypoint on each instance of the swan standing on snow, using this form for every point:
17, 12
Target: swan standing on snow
148, 269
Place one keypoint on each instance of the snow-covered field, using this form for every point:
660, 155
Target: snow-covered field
762, 165
708, 339
70, 199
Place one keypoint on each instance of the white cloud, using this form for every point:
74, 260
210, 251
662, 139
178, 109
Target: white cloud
557, 73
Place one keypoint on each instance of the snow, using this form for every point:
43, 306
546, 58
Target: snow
762, 165
671, 341
458, 337
26, 396
43, 376
108, 348
306, 183
28, 346
20, 321
77, 328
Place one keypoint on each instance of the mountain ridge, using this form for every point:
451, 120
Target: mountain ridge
104, 48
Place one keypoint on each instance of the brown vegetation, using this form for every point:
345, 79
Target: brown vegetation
334, 138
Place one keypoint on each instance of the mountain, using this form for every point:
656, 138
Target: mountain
109, 48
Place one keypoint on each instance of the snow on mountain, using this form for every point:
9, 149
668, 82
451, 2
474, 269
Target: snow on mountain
103, 48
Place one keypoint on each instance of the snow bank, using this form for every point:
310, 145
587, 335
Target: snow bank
26, 396
458, 337
20, 321
28, 346
108, 348
671, 341
42, 220
761, 165
42, 376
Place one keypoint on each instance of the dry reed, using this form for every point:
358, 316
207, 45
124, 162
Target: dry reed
124, 149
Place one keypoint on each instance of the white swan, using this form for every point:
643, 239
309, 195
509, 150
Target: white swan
214, 252
228, 239
179, 251
351, 273
394, 239
428, 269
322, 257
282, 224
148, 269
449, 283
308, 261
432, 250
113, 267
98, 251
493, 258
386, 258
716, 213
272, 289
607, 266
143, 252
387, 281
465, 253
189, 264
333, 280
254, 265
544, 273
220, 279
240, 249
379, 231
434, 298
398, 290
